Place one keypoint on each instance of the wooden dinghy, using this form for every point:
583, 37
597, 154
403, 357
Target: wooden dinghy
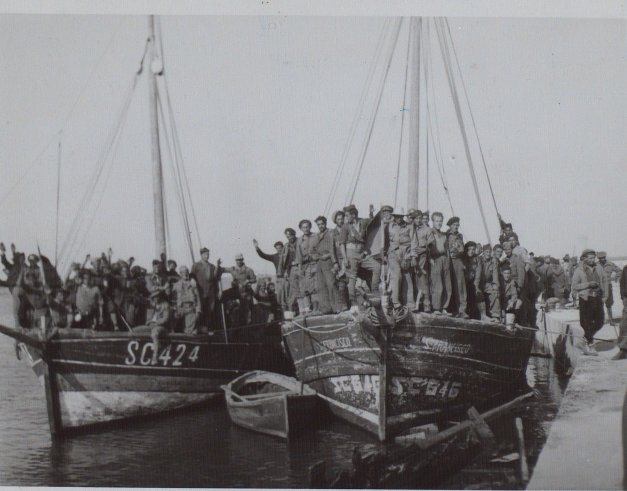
271, 403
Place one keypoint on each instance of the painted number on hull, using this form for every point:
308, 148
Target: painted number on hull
172, 355
431, 387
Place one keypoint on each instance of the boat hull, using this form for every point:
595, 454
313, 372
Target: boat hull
433, 366
96, 378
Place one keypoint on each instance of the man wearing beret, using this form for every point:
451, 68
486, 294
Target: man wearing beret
441, 287
590, 283
455, 241
324, 255
611, 272
354, 253
342, 284
424, 238
402, 258
306, 267
281, 279
207, 277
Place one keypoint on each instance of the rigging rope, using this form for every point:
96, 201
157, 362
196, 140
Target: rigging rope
178, 187
472, 117
56, 226
449, 75
65, 120
403, 110
177, 149
360, 107
375, 112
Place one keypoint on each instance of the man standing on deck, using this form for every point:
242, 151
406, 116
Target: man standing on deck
488, 284
279, 266
455, 242
590, 283
622, 331
353, 242
305, 267
342, 284
245, 278
324, 255
187, 301
288, 261
471, 263
611, 272
518, 274
402, 258
441, 286
89, 303
424, 238
207, 280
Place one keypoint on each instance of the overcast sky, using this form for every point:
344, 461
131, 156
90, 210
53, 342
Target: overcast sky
264, 107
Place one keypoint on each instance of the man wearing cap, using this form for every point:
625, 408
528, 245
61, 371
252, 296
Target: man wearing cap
424, 239
402, 253
354, 253
324, 255
157, 280
288, 261
207, 278
487, 283
611, 272
280, 267
471, 263
441, 287
590, 283
510, 297
342, 283
455, 241
306, 268
245, 278
518, 272
188, 306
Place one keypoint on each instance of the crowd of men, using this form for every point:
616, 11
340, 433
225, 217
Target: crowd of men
428, 269
417, 266
102, 294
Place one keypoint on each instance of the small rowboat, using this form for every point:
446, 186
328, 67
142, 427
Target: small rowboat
271, 403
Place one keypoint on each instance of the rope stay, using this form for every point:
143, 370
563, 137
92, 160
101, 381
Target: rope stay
453, 89
56, 221
403, 111
472, 117
180, 163
360, 107
375, 111
53, 137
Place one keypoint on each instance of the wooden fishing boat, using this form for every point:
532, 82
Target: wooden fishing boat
91, 378
271, 403
385, 371
388, 375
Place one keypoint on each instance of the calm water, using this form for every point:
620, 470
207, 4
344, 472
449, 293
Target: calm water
198, 448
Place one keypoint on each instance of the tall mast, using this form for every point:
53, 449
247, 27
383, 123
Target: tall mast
414, 113
157, 171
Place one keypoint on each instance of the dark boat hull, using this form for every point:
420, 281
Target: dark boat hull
433, 366
95, 378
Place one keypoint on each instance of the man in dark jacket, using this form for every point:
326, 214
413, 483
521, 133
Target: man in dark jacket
622, 332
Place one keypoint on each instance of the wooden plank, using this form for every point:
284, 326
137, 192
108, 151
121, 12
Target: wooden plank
448, 433
524, 468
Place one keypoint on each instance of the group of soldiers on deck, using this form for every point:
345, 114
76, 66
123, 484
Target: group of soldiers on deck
423, 267
102, 294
